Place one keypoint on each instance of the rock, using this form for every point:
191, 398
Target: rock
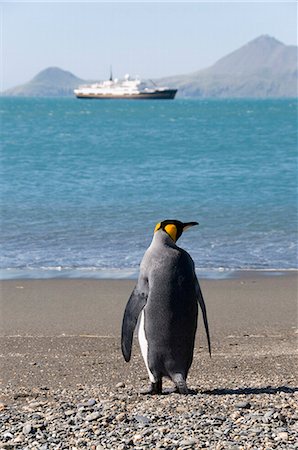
143, 420
181, 409
120, 417
34, 405
89, 403
27, 428
120, 385
70, 412
188, 442
93, 416
18, 439
244, 405
282, 436
255, 430
268, 416
137, 438
7, 435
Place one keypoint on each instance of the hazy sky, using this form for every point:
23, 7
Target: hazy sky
151, 39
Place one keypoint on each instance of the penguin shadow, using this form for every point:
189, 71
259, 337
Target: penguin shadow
169, 391
245, 390
249, 390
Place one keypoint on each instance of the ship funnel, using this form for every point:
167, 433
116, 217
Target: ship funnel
111, 74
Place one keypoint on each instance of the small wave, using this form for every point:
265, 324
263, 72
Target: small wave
126, 274
67, 272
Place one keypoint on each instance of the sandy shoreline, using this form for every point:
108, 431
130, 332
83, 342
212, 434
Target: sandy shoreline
257, 314
60, 340
84, 306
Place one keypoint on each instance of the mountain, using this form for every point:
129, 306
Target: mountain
263, 68
51, 82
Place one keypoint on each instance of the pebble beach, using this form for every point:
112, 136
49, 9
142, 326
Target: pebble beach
65, 384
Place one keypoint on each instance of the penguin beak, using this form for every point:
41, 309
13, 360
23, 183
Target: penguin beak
187, 225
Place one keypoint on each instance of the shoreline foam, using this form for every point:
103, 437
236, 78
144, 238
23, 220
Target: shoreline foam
130, 274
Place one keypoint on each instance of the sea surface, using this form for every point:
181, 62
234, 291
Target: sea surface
83, 183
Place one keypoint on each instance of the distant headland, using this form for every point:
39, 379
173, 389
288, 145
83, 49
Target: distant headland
263, 68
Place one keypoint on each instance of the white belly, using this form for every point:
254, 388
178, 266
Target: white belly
144, 345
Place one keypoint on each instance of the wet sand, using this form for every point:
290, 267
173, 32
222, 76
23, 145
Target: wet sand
73, 307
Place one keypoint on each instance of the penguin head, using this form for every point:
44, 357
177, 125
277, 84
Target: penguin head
174, 228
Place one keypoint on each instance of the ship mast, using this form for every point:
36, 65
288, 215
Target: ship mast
111, 74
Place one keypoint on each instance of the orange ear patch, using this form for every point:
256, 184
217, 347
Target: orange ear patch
172, 231
157, 227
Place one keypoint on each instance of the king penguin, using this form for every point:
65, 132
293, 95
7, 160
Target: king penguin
164, 303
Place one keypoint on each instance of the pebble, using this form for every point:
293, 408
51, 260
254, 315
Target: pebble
255, 430
187, 442
27, 428
120, 417
88, 403
283, 436
143, 420
181, 409
93, 416
7, 435
137, 437
18, 439
244, 405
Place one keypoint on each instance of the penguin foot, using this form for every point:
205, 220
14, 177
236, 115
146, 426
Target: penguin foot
180, 383
154, 389
182, 390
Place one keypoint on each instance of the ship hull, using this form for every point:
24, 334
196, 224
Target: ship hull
168, 94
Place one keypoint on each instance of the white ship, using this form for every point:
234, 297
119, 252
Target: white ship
124, 89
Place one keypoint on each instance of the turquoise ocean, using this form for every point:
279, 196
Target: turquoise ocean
83, 184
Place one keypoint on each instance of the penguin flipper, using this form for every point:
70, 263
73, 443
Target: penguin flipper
134, 306
204, 313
